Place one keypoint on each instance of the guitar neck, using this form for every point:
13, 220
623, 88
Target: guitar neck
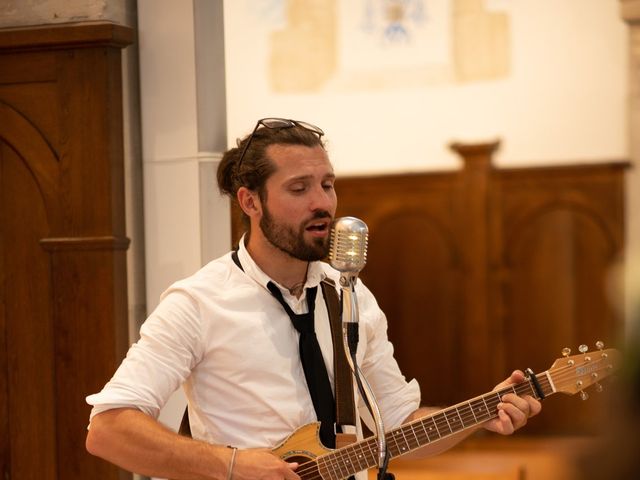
362, 455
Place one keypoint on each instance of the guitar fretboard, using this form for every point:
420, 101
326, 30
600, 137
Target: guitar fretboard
340, 464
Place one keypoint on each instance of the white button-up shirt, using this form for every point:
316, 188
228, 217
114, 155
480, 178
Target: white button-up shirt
223, 337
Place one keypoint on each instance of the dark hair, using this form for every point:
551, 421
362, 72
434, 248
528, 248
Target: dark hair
256, 167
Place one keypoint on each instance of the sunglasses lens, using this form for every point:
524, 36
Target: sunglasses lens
276, 123
311, 128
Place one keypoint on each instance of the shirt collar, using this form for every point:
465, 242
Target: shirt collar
315, 272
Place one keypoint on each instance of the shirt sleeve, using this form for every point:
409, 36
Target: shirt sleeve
396, 397
155, 366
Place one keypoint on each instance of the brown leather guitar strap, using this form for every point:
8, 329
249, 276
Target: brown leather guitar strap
342, 378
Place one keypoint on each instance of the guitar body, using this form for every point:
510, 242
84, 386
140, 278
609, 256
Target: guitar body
303, 445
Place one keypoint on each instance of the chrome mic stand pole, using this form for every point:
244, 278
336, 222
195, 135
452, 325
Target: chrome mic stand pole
350, 339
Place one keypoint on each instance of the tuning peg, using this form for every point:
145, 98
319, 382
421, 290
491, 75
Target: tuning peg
599, 388
584, 395
583, 348
599, 345
566, 351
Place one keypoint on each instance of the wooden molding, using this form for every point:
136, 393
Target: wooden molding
85, 243
475, 149
66, 35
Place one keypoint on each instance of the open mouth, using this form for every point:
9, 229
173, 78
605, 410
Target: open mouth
318, 226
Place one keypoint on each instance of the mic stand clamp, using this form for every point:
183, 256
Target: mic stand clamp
350, 321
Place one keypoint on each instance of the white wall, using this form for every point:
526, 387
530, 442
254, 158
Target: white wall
564, 99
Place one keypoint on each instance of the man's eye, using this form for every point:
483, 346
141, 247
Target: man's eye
327, 186
298, 188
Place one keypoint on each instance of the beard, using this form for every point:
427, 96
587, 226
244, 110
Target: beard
286, 239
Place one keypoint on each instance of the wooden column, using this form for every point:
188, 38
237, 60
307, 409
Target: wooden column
473, 203
62, 242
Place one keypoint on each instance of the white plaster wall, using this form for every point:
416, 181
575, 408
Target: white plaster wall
564, 100
170, 152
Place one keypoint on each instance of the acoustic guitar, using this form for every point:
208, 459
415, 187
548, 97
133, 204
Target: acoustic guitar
569, 375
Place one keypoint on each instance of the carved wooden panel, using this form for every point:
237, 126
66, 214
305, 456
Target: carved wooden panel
482, 271
410, 234
562, 233
63, 313
28, 323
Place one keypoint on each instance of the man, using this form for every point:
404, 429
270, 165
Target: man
224, 334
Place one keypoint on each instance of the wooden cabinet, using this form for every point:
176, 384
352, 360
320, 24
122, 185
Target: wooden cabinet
63, 307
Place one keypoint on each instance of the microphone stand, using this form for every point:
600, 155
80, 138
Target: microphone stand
350, 336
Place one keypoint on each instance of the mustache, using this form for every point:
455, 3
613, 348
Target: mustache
320, 214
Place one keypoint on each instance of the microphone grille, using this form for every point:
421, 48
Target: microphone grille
348, 244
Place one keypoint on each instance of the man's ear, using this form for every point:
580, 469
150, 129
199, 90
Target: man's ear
249, 202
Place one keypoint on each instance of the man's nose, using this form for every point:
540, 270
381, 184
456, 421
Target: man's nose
323, 200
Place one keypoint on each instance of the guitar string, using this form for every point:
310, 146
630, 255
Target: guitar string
466, 417
338, 468
442, 419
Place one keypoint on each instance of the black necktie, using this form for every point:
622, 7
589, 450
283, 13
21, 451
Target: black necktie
313, 365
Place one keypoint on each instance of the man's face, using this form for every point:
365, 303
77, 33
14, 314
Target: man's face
300, 201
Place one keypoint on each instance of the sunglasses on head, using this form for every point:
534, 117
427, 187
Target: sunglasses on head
277, 123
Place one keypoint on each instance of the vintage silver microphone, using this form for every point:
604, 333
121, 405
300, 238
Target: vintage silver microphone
348, 248
348, 255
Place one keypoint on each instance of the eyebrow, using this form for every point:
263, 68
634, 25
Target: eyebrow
328, 176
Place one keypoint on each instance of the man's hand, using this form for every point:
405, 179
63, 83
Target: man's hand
262, 464
513, 411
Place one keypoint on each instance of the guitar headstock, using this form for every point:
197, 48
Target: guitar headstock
572, 374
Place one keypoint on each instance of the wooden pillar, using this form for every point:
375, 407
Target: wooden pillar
473, 204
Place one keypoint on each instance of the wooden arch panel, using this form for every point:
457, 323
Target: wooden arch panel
63, 308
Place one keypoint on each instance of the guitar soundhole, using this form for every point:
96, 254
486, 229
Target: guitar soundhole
298, 459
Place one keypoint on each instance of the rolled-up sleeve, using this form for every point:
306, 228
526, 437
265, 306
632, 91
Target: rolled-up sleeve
155, 366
